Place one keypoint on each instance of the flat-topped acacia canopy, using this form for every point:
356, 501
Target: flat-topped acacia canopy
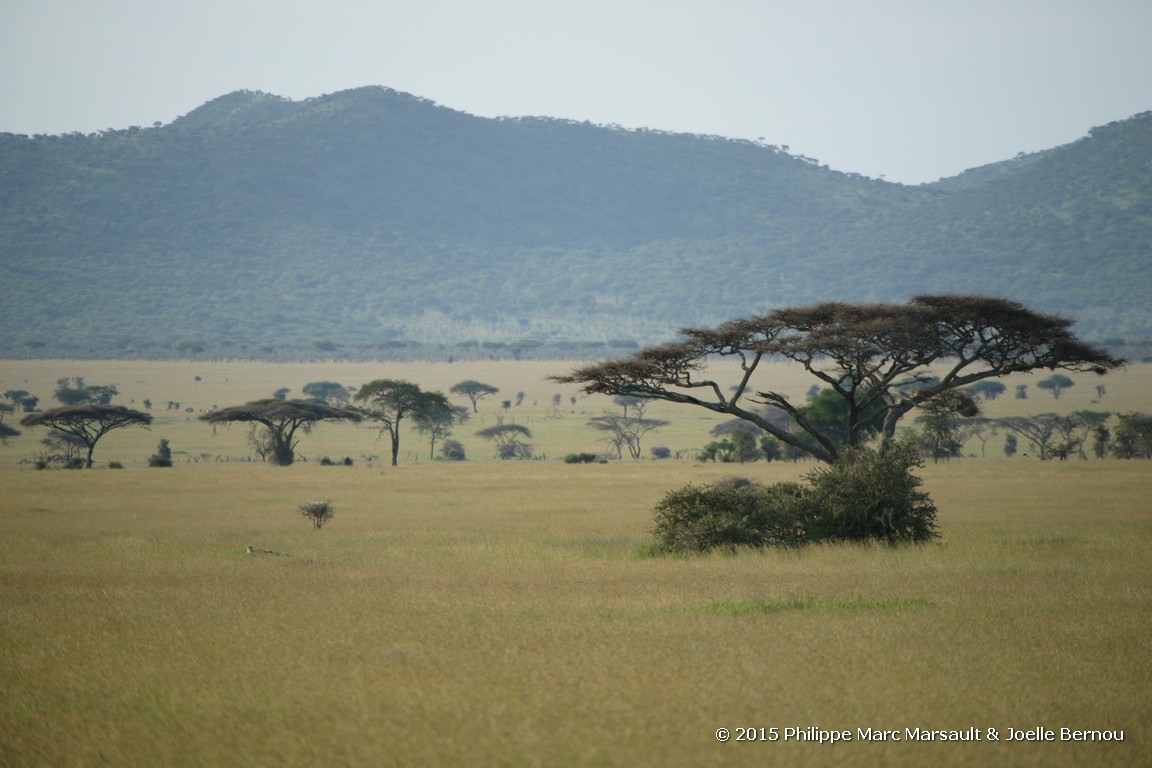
890, 357
282, 418
89, 422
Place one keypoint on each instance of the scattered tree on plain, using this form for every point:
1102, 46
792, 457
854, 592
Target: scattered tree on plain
1055, 384
1054, 435
7, 431
437, 419
388, 401
329, 392
474, 391
987, 390
23, 400
1132, 438
506, 438
880, 360
625, 431
87, 423
73, 391
163, 455
282, 420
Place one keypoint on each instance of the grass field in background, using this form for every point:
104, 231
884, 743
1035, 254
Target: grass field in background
556, 432
504, 613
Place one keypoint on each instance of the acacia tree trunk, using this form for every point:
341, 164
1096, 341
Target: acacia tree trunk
394, 433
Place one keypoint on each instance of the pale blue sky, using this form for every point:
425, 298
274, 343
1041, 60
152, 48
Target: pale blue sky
912, 90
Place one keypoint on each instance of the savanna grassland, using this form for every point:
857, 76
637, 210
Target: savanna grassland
506, 613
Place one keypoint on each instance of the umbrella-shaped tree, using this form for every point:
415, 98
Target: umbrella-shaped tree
88, 422
283, 420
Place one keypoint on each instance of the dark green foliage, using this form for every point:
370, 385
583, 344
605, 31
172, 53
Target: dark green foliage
732, 513
452, 450
582, 458
771, 449
869, 495
865, 496
1132, 438
329, 392
74, 391
163, 455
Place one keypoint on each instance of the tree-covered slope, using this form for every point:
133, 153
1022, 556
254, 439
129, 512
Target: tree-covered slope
370, 216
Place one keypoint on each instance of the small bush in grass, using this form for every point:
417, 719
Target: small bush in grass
319, 512
865, 496
580, 458
163, 455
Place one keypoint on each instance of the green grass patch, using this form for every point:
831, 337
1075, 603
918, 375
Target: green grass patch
811, 604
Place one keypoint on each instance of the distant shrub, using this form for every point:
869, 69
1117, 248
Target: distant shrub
163, 455
580, 458
326, 462
347, 461
452, 450
74, 463
115, 465
661, 452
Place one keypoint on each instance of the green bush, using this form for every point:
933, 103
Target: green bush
163, 455
865, 496
732, 513
868, 495
580, 458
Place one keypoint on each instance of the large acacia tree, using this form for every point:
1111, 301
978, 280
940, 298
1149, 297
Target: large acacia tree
88, 423
282, 420
881, 360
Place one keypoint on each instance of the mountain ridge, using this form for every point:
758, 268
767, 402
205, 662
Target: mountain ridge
371, 218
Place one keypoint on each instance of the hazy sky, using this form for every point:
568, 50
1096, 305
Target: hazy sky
910, 89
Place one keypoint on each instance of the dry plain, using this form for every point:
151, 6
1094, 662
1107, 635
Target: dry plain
505, 613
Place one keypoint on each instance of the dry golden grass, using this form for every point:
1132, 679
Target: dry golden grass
491, 613
501, 614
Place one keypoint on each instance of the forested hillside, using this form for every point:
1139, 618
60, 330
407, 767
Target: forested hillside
371, 221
